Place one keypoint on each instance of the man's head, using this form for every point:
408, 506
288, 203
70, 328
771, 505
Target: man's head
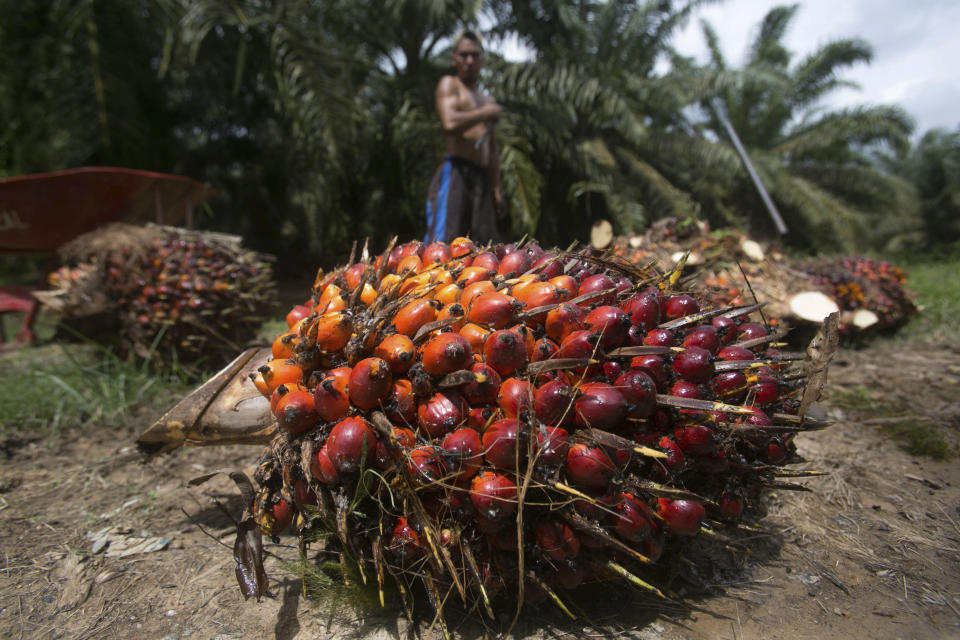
468, 56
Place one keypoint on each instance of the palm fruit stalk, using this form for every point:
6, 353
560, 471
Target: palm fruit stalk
164, 290
498, 425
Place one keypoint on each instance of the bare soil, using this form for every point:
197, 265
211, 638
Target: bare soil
872, 552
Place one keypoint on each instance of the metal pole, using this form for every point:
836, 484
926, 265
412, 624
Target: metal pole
745, 159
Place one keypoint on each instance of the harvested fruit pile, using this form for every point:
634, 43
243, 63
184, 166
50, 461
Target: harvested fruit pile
163, 289
859, 282
870, 294
498, 425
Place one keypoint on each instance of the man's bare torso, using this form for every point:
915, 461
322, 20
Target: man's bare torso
472, 143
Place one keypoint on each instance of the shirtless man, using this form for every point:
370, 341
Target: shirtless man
465, 191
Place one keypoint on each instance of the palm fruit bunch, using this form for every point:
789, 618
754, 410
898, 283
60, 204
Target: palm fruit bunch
864, 283
498, 425
165, 289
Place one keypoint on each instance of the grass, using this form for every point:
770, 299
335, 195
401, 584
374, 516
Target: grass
916, 434
58, 386
937, 288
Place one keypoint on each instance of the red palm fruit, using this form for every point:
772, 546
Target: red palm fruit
598, 282
351, 443
487, 260
461, 246
730, 506
401, 406
552, 266
751, 330
398, 351
580, 344
588, 466
653, 366
296, 412
553, 403
386, 453
353, 275
475, 335
330, 398
639, 390
675, 457
544, 349
570, 574
514, 264
611, 369
505, 351
298, 313
479, 417
704, 336
733, 352
370, 382
602, 505
682, 517
557, 540
500, 444
695, 439
275, 373
766, 390
599, 405
442, 412
425, 464
333, 330
468, 451
284, 345
653, 546
681, 305
643, 310
281, 391
492, 309
409, 264
282, 512
726, 328
437, 253
493, 495
392, 261
475, 290
633, 519
564, 320
526, 334
612, 324
405, 545
694, 364
414, 315
730, 386
412, 248
474, 273
775, 451
685, 389
321, 467
486, 386
302, 494
515, 397
552, 445
660, 338
445, 353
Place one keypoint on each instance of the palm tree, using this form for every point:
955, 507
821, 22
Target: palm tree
815, 163
933, 166
589, 120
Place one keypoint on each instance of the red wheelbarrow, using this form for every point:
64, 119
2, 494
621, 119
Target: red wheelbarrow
42, 211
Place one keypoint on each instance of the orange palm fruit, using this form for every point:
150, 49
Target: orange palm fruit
275, 373
332, 330
284, 344
414, 315
475, 335
398, 351
476, 289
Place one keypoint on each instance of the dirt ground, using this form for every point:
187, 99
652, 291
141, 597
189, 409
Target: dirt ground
872, 552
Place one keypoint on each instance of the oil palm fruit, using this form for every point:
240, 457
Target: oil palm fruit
608, 415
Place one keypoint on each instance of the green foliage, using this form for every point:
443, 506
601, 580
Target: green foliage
57, 387
815, 164
937, 289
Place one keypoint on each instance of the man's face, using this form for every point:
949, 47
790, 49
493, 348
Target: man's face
468, 60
